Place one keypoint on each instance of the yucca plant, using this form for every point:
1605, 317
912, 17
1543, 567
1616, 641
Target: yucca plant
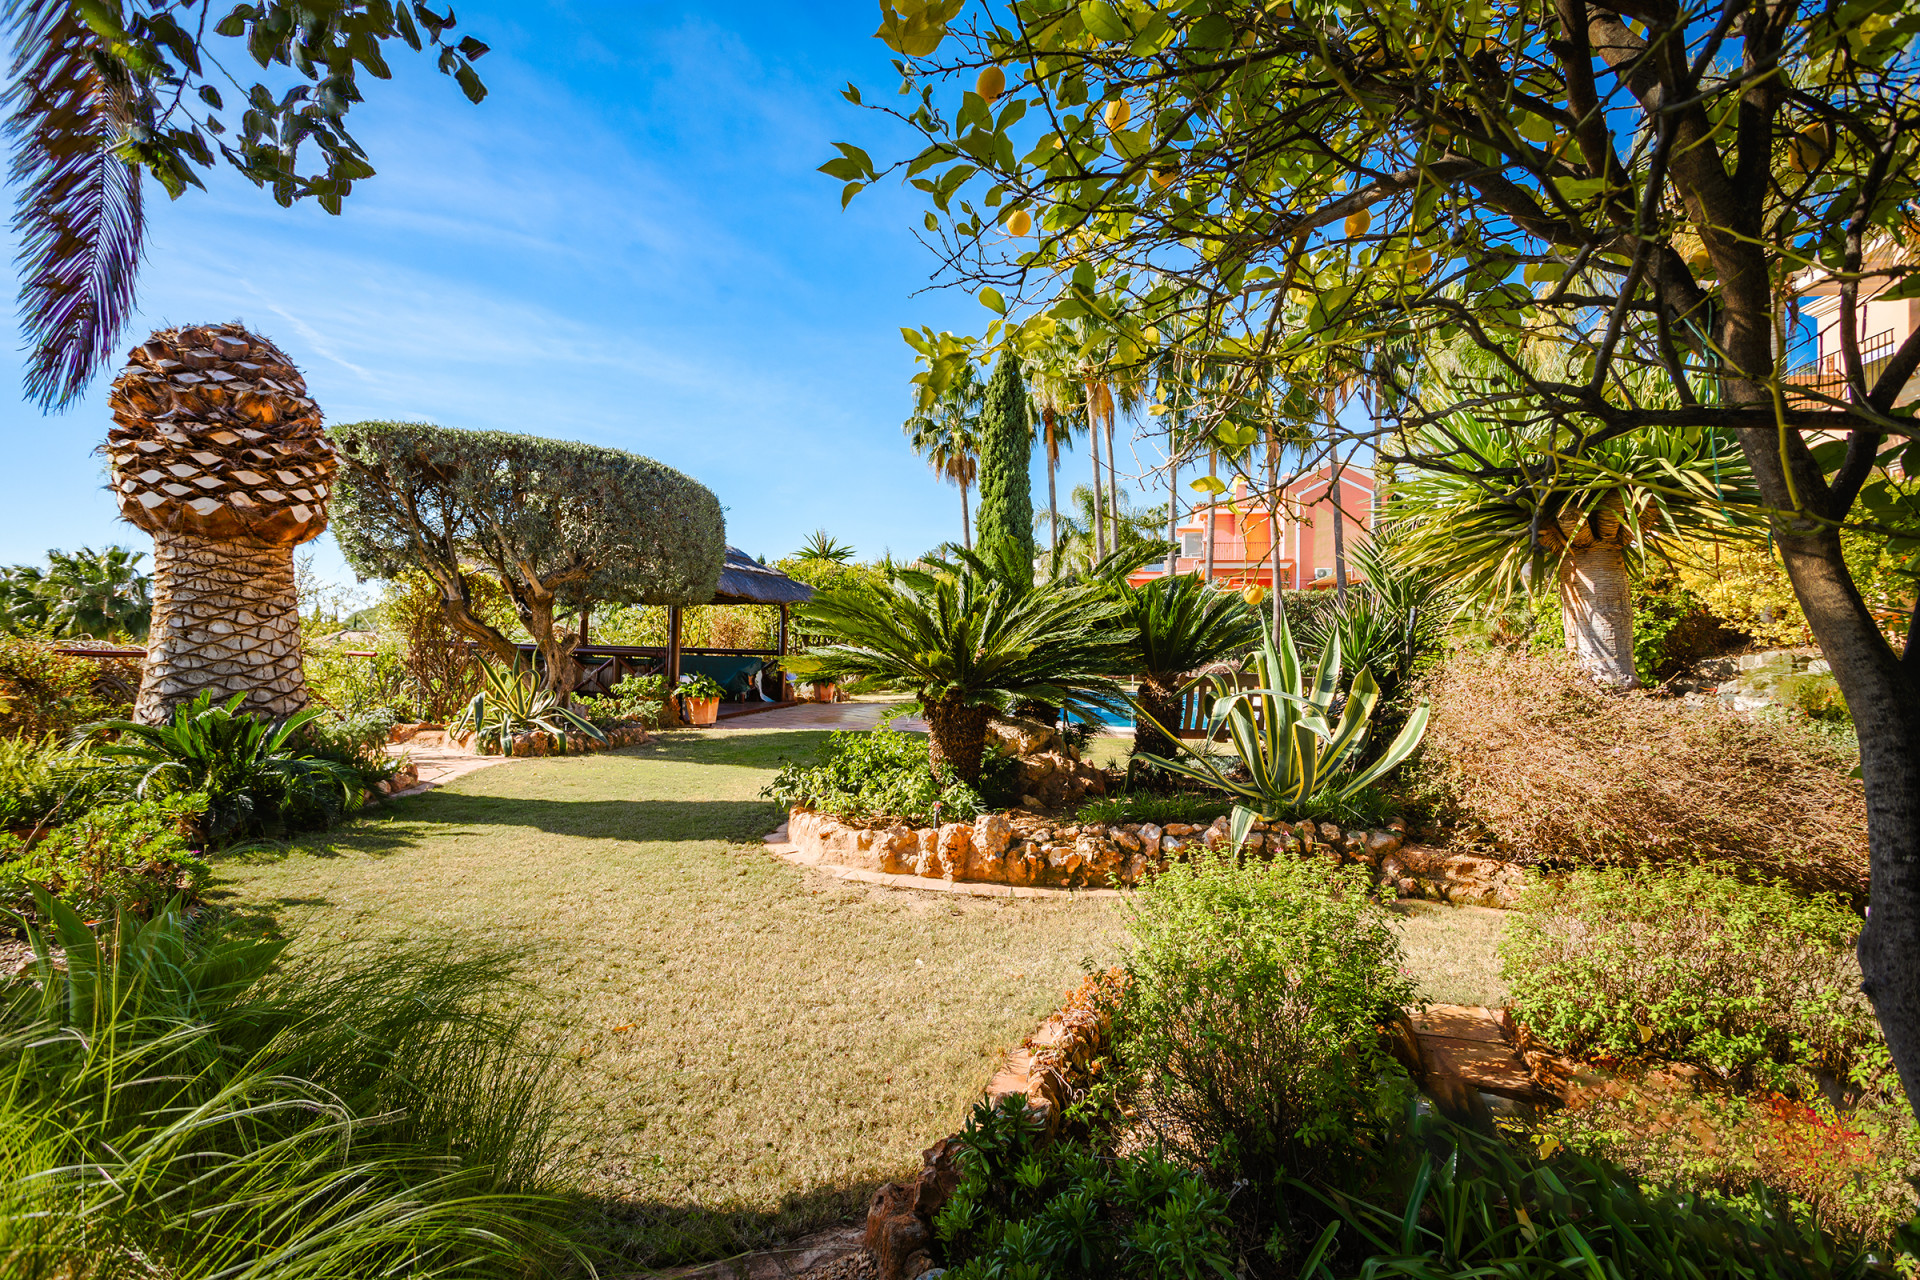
182, 1101
1284, 738
511, 702
255, 773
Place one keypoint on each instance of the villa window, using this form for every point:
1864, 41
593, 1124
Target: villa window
1190, 544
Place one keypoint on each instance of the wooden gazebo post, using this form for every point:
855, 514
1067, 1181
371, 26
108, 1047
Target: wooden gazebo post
783, 630
673, 649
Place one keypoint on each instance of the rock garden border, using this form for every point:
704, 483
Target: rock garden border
1029, 853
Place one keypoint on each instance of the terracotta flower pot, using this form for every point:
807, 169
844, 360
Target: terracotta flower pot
702, 712
825, 692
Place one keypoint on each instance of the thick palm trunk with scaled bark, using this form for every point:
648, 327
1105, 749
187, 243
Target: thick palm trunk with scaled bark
958, 735
1159, 693
219, 454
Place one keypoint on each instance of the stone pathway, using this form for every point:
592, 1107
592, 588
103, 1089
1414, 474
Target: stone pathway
1469, 1042
437, 762
863, 714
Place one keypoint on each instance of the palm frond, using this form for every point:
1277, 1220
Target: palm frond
72, 106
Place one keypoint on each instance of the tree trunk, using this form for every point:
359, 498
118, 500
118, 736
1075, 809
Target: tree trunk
1159, 694
966, 520
1053, 496
959, 740
1213, 470
226, 620
1339, 537
1173, 506
1113, 486
1596, 606
1099, 503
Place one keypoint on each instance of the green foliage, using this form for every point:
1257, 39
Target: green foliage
1146, 806
1287, 749
45, 779
108, 94
882, 774
258, 778
1816, 694
1180, 623
513, 703
962, 638
101, 594
1389, 624
1025, 1208
700, 686
45, 692
824, 547
1465, 1206
585, 522
1006, 458
1253, 1014
637, 698
185, 1100
352, 686
137, 855
1688, 964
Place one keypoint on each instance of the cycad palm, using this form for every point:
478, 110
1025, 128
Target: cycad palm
947, 436
965, 644
1181, 623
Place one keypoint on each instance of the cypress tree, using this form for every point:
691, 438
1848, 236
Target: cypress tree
1006, 452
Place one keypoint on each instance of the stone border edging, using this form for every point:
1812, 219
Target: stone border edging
780, 847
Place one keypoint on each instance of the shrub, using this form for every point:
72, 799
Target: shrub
353, 686
515, 702
1690, 965
42, 780
193, 1103
1525, 756
1850, 1171
637, 698
1027, 1209
258, 778
1253, 1014
136, 856
882, 774
44, 692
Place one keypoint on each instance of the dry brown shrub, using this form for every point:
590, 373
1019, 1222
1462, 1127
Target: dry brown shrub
1530, 760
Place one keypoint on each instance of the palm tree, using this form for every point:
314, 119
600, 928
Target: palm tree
947, 436
219, 454
1181, 623
822, 546
1139, 531
98, 593
966, 644
1590, 514
1059, 401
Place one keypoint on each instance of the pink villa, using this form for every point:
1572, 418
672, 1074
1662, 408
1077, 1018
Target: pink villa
1881, 326
1244, 545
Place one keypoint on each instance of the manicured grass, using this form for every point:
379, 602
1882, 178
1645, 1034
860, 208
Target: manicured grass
752, 1046
1450, 952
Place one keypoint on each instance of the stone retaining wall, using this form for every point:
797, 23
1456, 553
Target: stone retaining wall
537, 743
1021, 849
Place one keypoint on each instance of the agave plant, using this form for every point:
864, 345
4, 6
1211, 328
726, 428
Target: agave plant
1283, 734
255, 773
512, 702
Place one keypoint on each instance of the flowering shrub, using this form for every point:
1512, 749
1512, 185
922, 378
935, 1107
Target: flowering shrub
1693, 966
44, 692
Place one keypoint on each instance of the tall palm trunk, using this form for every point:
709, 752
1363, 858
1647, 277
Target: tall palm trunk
219, 454
1596, 606
1113, 483
1213, 473
1339, 535
1173, 506
966, 520
1093, 448
1053, 495
1159, 694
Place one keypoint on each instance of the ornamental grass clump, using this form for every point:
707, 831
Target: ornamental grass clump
188, 1102
1752, 981
1256, 997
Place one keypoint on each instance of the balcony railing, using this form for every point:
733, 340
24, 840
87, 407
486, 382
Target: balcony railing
1827, 376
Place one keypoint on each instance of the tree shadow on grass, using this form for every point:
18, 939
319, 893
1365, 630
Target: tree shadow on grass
652, 1234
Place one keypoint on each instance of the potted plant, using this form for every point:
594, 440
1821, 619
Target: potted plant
825, 691
701, 696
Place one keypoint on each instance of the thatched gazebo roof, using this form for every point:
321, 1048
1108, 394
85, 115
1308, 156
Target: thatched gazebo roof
744, 580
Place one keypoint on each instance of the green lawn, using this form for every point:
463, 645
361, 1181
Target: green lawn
753, 1047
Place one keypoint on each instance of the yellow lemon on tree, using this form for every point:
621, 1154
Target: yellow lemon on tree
1358, 222
1165, 177
1020, 223
1253, 593
1810, 148
991, 84
1117, 114
1420, 263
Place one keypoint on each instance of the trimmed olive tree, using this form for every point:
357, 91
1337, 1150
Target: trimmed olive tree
559, 523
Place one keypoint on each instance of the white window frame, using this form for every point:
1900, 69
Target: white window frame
1192, 544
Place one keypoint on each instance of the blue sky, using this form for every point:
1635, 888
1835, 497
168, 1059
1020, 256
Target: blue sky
626, 243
